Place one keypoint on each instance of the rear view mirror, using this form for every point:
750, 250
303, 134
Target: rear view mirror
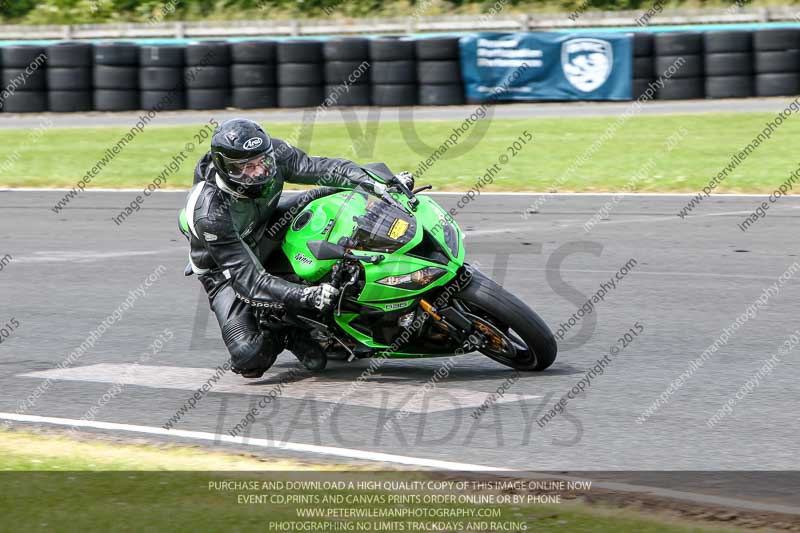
324, 250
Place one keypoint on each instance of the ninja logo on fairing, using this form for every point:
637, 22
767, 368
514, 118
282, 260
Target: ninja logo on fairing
303, 259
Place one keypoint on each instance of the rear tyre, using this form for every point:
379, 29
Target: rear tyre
536, 347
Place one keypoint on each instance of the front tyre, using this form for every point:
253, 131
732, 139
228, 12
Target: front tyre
513, 333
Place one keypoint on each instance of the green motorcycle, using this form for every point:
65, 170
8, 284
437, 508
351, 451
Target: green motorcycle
405, 289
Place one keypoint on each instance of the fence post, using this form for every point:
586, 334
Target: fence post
66, 31
180, 30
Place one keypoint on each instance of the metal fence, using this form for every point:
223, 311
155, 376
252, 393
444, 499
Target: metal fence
361, 26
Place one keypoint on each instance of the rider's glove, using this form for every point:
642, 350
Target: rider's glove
406, 178
319, 297
378, 188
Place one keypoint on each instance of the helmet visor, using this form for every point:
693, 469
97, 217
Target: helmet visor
256, 170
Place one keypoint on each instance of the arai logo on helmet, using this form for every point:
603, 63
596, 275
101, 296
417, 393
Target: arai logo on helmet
586, 62
253, 142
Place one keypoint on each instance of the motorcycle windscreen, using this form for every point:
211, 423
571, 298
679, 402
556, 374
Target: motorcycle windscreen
383, 228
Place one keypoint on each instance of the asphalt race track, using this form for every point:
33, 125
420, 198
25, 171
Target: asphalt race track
515, 111
691, 279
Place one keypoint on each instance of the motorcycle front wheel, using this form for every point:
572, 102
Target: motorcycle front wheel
510, 332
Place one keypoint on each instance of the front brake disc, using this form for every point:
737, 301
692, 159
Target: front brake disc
491, 339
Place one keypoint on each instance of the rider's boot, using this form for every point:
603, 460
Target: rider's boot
307, 350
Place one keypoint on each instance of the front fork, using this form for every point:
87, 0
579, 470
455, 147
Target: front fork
449, 313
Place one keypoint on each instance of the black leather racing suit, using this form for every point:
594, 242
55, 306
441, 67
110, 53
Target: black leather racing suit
232, 236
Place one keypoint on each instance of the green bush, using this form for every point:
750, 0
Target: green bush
84, 11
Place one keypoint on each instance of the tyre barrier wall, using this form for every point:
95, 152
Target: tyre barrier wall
382, 71
718, 64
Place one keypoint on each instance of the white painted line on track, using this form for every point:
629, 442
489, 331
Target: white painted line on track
86, 256
261, 443
374, 392
399, 459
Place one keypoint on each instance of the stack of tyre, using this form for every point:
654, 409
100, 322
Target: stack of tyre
728, 64
69, 77
393, 71
679, 64
207, 74
116, 76
253, 76
439, 71
23, 91
347, 72
301, 73
161, 77
777, 61
643, 63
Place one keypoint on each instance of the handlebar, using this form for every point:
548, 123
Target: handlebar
412, 199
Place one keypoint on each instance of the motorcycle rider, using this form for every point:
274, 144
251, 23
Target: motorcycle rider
237, 218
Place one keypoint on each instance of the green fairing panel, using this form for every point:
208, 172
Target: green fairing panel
333, 217
319, 226
344, 323
433, 217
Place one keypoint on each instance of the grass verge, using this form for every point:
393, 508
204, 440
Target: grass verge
67, 485
639, 157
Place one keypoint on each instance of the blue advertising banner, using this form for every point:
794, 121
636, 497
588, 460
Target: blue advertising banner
547, 66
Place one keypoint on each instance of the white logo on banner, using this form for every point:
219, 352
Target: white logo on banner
586, 63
